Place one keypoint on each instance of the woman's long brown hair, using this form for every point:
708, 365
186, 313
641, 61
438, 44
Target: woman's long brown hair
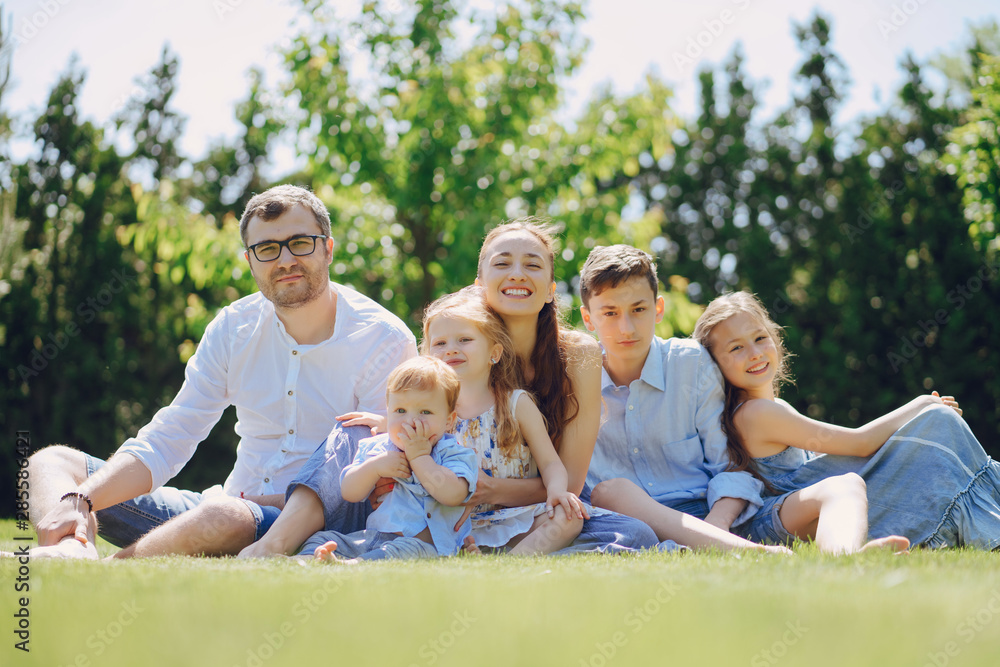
550, 384
718, 311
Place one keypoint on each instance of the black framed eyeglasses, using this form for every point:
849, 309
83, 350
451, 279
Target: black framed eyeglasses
300, 246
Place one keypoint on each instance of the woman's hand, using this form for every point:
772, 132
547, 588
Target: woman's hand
383, 487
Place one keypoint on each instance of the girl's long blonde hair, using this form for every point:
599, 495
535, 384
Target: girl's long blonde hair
718, 311
470, 305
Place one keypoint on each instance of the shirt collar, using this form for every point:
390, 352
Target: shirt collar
652, 369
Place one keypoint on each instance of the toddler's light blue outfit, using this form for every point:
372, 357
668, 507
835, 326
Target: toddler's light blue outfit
407, 510
930, 482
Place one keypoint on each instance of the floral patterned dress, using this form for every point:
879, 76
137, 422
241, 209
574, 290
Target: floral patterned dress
493, 525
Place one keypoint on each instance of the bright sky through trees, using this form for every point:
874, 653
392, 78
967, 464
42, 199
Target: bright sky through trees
219, 40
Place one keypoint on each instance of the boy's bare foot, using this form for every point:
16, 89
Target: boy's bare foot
470, 548
327, 554
896, 543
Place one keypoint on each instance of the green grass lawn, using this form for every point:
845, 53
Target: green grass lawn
648, 609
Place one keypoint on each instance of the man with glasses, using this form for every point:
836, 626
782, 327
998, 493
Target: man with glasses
290, 358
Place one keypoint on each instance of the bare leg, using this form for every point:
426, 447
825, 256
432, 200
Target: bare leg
301, 516
217, 527
54, 471
624, 497
834, 512
548, 534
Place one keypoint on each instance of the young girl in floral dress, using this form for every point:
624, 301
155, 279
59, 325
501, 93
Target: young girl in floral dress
503, 425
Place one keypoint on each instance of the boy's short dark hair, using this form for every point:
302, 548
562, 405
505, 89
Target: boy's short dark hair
425, 374
609, 266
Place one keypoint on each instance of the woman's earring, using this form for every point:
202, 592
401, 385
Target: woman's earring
492, 360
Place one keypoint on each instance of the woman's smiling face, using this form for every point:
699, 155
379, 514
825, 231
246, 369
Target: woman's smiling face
517, 274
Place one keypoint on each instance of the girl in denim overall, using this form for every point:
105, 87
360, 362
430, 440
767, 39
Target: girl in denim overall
914, 476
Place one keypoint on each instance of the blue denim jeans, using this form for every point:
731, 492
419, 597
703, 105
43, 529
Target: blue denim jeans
607, 533
370, 545
930, 482
321, 473
123, 524
611, 533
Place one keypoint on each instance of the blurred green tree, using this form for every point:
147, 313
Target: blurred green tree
858, 244
423, 126
224, 180
447, 134
105, 288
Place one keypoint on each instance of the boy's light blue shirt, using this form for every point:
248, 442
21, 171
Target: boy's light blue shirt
664, 433
410, 508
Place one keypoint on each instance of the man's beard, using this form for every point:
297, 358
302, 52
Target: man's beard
308, 289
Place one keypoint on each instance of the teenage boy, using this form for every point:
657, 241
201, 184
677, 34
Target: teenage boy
661, 453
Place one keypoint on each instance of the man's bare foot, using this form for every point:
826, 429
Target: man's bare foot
70, 547
470, 548
896, 543
262, 548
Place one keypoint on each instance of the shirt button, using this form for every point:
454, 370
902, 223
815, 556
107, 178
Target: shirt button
635, 451
267, 479
294, 352
428, 515
291, 431
290, 392
631, 407
649, 484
